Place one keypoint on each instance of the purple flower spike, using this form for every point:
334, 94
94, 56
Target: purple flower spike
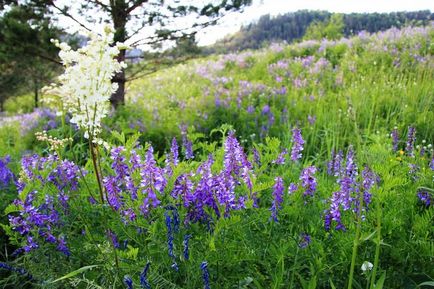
395, 139
205, 274
308, 181
411, 139
278, 189
304, 241
425, 198
6, 175
174, 152
297, 146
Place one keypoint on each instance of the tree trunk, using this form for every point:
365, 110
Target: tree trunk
36, 92
120, 17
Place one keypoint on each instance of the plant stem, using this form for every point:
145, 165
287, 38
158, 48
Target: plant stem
377, 248
95, 166
356, 240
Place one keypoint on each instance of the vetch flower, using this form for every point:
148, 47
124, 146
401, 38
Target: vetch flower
278, 189
205, 275
305, 240
128, 282
185, 245
144, 277
308, 181
395, 139
297, 144
411, 140
6, 175
425, 198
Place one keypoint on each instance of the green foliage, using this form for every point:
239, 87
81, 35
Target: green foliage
331, 29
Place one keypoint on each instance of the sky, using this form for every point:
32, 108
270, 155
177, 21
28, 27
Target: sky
231, 23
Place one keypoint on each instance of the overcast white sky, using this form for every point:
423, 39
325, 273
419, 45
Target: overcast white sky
231, 23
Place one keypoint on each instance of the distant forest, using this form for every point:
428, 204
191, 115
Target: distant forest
292, 26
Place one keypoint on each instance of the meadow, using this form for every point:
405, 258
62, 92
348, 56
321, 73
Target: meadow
307, 165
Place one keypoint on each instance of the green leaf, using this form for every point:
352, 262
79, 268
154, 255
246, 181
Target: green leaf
10, 209
427, 283
119, 136
331, 284
74, 273
380, 282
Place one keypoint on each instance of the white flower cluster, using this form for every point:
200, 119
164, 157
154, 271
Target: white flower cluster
54, 142
85, 86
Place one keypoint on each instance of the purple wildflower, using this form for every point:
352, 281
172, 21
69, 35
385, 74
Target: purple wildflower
292, 188
128, 282
205, 274
188, 146
425, 198
311, 119
308, 181
265, 109
257, 157
144, 277
114, 239
278, 189
20, 271
62, 247
6, 175
411, 139
174, 152
305, 240
185, 245
183, 188
297, 146
369, 180
395, 139
280, 160
169, 235
413, 172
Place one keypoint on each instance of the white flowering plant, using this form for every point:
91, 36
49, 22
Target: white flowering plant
85, 86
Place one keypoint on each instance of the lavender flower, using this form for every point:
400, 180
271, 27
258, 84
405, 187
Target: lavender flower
62, 247
292, 188
257, 157
278, 189
411, 139
174, 152
304, 240
144, 277
413, 172
395, 139
205, 274
425, 198
369, 180
308, 181
188, 146
183, 188
281, 158
6, 175
113, 239
297, 146
311, 119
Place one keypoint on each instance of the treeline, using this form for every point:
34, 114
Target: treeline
292, 26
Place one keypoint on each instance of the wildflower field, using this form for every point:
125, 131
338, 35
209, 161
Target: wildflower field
307, 165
